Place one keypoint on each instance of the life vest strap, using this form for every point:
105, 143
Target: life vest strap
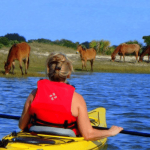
36, 121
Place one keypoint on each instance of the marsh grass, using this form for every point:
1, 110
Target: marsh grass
39, 53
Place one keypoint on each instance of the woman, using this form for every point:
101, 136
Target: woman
57, 103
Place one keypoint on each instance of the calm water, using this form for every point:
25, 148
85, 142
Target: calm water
126, 98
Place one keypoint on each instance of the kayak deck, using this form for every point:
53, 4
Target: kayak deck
34, 141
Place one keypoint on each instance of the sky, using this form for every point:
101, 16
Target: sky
117, 21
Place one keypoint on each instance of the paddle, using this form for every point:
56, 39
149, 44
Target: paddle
126, 132
100, 128
9, 117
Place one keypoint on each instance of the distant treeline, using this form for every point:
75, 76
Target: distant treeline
101, 46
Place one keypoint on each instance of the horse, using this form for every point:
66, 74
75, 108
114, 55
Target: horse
20, 52
126, 49
144, 52
86, 55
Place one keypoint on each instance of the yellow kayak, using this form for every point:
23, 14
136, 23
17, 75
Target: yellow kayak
35, 140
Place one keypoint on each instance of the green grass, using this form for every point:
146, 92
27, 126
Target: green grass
37, 62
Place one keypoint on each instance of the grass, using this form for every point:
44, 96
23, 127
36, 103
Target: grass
40, 51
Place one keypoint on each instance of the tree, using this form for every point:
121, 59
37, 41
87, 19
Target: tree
100, 46
147, 40
93, 44
134, 42
15, 36
4, 41
104, 45
86, 44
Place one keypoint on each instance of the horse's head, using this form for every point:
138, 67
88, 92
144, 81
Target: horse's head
77, 52
113, 57
140, 59
78, 49
7, 67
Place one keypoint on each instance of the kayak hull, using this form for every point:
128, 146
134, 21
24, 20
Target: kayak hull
30, 141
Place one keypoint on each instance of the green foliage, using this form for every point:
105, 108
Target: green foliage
110, 50
134, 42
86, 44
62, 42
41, 41
147, 39
101, 46
93, 44
1, 45
4, 41
68, 43
9, 39
15, 36
12, 42
104, 45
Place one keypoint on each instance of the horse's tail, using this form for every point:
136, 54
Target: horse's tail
28, 63
28, 57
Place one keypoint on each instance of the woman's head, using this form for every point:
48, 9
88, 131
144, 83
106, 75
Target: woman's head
59, 67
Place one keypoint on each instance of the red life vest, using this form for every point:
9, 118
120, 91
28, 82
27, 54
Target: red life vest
52, 102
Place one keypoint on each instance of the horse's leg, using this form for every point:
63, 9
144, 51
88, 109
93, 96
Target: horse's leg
123, 58
85, 64
136, 56
13, 67
20, 63
82, 64
91, 64
25, 63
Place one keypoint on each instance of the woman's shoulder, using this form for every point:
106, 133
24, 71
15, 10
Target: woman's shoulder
77, 95
33, 92
78, 98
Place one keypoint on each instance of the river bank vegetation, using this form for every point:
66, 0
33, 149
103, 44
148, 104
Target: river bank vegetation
41, 48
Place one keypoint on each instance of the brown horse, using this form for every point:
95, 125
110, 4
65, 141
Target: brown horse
126, 49
86, 55
18, 52
144, 52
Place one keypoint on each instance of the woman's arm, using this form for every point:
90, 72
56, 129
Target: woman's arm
84, 125
25, 117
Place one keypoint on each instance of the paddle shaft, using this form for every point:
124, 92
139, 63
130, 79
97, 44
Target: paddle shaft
99, 128
9, 117
126, 132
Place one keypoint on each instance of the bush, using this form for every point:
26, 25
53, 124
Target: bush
1, 45
4, 41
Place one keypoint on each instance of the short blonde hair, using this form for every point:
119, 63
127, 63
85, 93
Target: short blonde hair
59, 67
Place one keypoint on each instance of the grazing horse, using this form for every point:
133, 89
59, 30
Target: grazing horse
86, 55
18, 52
144, 52
126, 49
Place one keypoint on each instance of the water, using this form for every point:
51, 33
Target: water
126, 98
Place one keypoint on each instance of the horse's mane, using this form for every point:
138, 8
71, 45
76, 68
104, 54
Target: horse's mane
117, 49
14, 45
145, 49
83, 48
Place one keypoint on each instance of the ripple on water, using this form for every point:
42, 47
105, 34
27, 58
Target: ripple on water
125, 96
